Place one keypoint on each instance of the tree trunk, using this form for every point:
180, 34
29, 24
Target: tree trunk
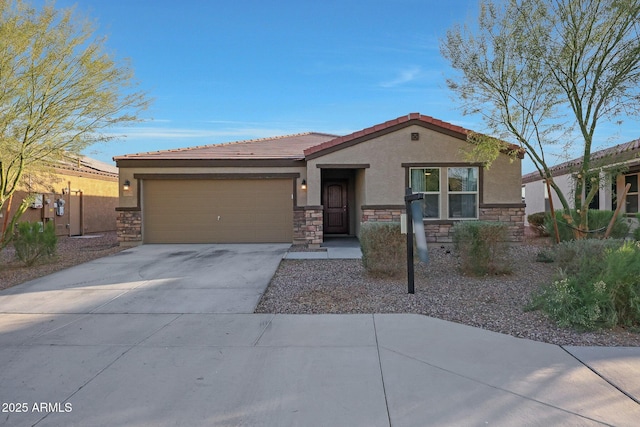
5, 222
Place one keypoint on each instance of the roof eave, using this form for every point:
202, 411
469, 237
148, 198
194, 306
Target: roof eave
132, 162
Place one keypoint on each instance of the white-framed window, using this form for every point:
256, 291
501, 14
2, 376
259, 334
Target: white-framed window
631, 203
463, 192
449, 192
427, 182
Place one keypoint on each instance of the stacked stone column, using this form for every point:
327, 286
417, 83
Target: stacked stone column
129, 227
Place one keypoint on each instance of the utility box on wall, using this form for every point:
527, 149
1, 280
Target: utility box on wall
48, 210
37, 202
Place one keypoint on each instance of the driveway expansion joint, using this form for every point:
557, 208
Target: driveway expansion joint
611, 383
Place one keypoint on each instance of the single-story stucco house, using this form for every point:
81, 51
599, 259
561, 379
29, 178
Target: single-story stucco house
79, 196
300, 188
616, 166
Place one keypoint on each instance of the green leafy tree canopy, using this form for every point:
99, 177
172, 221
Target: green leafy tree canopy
60, 90
545, 73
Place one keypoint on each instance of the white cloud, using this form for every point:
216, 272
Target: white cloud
405, 76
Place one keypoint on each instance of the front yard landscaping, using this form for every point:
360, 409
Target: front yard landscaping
493, 302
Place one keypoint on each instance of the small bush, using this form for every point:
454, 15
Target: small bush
384, 248
636, 232
584, 259
537, 223
622, 278
609, 297
573, 303
482, 247
598, 220
33, 242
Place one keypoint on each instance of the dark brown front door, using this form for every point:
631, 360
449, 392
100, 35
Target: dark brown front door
336, 211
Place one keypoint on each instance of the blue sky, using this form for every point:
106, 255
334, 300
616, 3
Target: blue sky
225, 70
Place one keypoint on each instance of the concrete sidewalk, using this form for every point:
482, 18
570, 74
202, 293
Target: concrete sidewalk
112, 343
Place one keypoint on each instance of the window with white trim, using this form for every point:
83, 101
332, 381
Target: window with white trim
631, 204
458, 199
427, 182
463, 192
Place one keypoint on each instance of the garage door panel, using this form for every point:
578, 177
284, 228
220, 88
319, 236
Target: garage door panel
217, 211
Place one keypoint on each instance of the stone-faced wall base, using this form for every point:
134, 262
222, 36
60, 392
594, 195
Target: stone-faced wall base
129, 227
442, 231
307, 226
382, 213
439, 233
510, 214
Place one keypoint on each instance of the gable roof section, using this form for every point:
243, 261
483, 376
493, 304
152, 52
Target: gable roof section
618, 153
288, 150
287, 147
391, 126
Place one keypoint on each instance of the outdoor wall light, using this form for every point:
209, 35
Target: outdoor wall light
304, 184
126, 185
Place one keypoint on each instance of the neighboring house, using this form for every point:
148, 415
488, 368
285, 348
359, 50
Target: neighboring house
607, 163
88, 189
300, 188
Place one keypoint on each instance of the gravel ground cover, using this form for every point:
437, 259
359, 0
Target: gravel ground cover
70, 251
494, 303
342, 286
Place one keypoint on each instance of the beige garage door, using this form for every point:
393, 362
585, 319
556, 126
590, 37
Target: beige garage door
217, 211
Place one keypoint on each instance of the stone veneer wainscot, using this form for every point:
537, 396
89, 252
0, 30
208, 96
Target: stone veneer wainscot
307, 225
440, 231
129, 226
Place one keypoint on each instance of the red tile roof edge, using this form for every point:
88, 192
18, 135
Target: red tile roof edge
564, 167
382, 126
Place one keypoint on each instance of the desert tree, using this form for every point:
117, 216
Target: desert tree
545, 73
60, 91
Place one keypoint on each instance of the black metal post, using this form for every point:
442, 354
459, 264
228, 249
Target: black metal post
410, 275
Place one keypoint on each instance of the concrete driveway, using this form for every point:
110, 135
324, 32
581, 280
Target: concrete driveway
148, 279
160, 335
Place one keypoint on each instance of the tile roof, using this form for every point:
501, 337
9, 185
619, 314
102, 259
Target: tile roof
382, 126
86, 165
298, 146
279, 147
618, 153
412, 118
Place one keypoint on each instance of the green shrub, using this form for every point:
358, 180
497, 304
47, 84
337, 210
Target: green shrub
636, 232
598, 222
573, 303
622, 278
33, 241
584, 259
608, 296
384, 248
537, 223
482, 247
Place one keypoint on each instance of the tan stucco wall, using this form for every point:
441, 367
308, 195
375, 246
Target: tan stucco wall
99, 200
383, 183
130, 198
361, 197
503, 181
384, 180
